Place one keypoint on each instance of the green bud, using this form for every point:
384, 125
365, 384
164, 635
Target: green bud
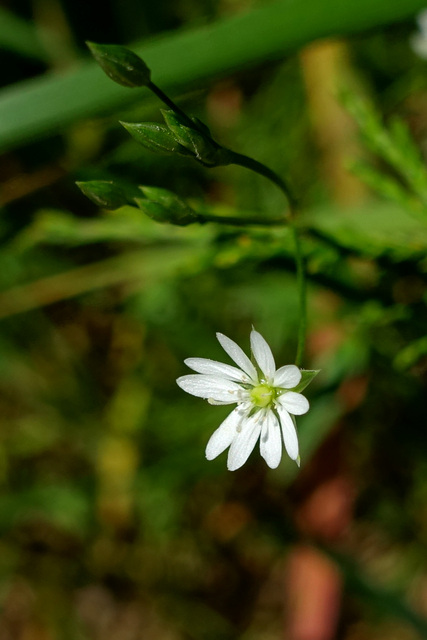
120, 64
155, 137
201, 126
199, 143
163, 205
153, 210
104, 193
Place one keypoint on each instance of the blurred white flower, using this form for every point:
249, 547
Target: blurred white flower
265, 401
418, 40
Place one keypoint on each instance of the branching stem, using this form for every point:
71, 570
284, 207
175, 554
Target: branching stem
249, 163
262, 170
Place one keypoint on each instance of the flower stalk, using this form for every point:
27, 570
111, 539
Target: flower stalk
227, 156
190, 136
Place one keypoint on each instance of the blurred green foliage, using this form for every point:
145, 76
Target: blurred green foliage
112, 522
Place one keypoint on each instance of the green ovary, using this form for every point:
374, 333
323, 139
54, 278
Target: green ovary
262, 395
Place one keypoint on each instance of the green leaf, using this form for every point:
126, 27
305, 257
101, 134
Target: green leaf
383, 601
374, 229
393, 144
41, 107
142, 267
51, 226
411, 355
63, 505
20, 36
121, 65
386, 186
307, 375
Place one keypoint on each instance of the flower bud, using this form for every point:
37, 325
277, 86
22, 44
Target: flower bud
120, 64
104, 193
164, 206
155, 137
198, 142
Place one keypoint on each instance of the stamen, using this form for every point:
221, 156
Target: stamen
242, 395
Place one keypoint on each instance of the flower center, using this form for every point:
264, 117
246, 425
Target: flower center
262, 395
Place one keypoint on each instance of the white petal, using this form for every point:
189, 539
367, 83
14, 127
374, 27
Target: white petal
287, 377
262, 354
238, 355
224, 435
271, 441
293, 402
212, 367
290, 437
212, 387
244, 442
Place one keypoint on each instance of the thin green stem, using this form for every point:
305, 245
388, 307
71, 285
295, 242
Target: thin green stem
249, 163
261, 169
171, 104
258, 167
302, 289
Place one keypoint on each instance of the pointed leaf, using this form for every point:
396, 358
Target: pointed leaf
307, 375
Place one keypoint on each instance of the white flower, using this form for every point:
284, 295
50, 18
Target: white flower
265, 402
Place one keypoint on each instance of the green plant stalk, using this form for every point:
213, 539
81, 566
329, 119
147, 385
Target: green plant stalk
258, 167
302, 290
234, 157
171, 104
253, 165
261, 169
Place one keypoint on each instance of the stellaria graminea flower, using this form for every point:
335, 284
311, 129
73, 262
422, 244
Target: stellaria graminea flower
266, 398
